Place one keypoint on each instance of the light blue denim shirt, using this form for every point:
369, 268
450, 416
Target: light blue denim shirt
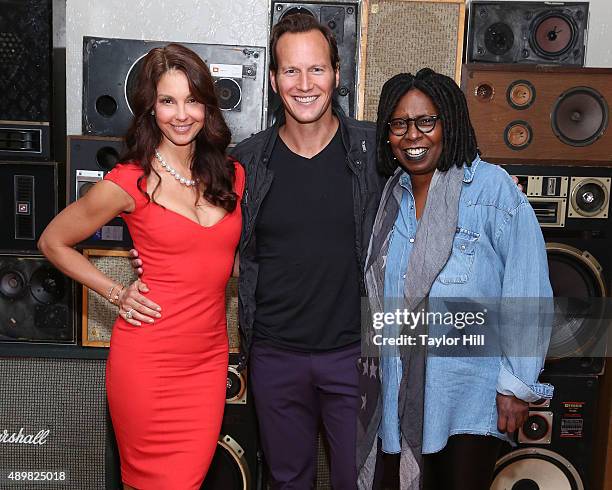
498, 252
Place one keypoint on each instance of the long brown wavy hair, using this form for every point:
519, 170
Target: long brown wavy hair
210, 163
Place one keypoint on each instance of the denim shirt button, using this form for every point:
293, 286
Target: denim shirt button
462, 247
411, 240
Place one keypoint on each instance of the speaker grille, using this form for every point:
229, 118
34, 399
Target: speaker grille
25, 60
39, 395
406, 35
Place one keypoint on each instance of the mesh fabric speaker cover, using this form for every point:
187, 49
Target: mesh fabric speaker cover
101, 315
65, 397
404, 36
25, 60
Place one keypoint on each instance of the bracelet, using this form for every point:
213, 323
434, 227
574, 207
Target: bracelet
112, 298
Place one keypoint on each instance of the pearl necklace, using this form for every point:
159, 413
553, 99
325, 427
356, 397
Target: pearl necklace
169, 168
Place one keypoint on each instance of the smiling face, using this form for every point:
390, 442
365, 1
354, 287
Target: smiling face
417, 152
305, 79
177, 114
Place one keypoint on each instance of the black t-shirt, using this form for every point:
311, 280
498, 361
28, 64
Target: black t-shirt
308, 283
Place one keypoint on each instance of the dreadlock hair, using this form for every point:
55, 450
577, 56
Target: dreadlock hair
459, 144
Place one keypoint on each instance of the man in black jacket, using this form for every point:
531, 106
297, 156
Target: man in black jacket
311, 196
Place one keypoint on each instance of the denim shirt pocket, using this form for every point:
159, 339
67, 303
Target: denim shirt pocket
459, 265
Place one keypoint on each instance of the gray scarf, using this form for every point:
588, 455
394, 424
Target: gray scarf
431, 250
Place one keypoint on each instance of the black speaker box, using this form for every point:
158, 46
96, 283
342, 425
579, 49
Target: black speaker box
110, 68
36, 301
237, 462
555, 448
343, 20
527, 32
25, 78
89, 159
572, 205
28, 202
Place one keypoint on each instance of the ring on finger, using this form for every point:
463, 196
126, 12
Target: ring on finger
128, 314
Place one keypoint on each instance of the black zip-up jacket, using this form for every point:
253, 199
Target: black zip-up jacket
359, 140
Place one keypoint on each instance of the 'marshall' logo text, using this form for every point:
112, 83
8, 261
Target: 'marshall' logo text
21, 437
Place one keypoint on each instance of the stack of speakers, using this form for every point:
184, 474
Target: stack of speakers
539, 112
35, 298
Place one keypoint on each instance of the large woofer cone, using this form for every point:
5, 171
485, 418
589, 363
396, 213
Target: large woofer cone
48, 285
107, 157
553, 34
535, 469
295, 10
580, 116
12, 283
499, 38
579, 288
229, 93
229, 468
131, 82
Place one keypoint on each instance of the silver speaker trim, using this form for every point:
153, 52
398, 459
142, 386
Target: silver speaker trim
241, 396
576, 183
237, 453
535, 451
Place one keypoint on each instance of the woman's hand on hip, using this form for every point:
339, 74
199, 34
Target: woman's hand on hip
136, 308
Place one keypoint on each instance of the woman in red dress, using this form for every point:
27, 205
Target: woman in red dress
179, 194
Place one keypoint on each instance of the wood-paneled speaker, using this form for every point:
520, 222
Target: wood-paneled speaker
399, 36
535, 113
527, 32
98, 315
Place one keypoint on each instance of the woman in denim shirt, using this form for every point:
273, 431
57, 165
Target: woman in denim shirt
451, 226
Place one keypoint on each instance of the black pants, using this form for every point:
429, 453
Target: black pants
467, 462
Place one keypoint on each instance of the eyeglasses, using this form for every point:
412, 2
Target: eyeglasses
425, 124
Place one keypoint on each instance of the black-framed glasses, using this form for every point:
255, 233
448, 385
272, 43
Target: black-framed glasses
425, 124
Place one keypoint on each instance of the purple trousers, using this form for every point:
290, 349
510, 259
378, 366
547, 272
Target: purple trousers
293, 393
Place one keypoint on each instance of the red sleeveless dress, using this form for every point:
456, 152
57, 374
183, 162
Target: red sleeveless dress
166, 382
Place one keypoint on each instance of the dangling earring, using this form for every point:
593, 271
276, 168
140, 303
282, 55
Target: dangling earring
153, 112
388, 141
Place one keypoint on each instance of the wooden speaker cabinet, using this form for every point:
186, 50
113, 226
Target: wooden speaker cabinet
400, 36
528, 114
